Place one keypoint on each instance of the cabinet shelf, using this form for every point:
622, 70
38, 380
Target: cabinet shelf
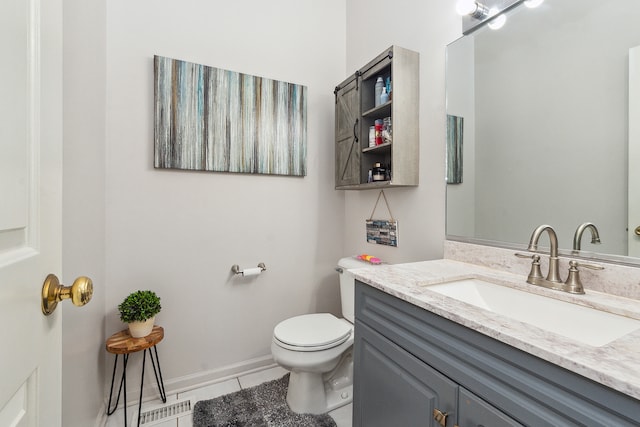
382, 147
373, 185
383, 110
355, 114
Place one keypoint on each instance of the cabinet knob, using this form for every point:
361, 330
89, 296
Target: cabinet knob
440, 417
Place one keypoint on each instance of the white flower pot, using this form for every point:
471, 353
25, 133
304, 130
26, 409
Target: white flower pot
141, 329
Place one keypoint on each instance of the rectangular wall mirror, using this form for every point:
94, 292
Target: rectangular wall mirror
549, 128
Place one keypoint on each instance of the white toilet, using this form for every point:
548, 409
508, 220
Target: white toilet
317, 349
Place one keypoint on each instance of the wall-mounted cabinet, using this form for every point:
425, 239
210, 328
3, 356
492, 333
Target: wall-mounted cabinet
394, 145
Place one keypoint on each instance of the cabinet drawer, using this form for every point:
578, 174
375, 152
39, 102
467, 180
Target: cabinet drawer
473, 411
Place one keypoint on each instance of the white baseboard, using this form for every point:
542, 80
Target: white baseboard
101, 419
201, 379
182, 384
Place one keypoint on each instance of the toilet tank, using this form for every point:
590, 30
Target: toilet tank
348, 285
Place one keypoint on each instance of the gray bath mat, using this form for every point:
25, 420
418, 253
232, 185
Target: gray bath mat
264, 405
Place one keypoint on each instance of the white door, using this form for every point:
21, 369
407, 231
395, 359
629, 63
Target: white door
634, 153
30, 209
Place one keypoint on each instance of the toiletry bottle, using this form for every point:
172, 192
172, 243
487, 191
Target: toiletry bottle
379, 173
384, 97
378, 91
388, 86
378, 131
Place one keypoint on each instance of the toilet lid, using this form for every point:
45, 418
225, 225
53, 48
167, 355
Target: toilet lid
312, 330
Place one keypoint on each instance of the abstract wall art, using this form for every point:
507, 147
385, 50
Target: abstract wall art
210, 119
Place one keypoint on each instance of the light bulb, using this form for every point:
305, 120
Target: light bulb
466, 7
499, 21
533, 3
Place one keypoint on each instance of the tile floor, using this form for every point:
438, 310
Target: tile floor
342, 415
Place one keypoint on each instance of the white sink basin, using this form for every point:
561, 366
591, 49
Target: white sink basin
587, 325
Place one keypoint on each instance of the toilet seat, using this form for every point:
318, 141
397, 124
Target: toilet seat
312, 332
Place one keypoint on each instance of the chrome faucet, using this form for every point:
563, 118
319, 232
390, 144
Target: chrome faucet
553, 281
553, 275
577, 237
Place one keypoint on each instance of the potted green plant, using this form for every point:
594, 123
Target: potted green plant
139, 310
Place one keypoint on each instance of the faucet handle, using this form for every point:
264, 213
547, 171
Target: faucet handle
576, 264
535, 275
573, 282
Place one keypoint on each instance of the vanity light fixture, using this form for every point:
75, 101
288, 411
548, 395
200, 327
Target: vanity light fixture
472, 8
477, 13
533, 3
481, 12
497, 22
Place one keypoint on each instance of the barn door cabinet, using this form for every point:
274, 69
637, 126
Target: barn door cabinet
415, 368
356, 111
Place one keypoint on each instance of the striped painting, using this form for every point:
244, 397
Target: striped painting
212, 119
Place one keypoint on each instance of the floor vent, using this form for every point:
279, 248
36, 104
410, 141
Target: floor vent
173, 410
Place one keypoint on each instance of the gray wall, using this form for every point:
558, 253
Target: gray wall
179, 232
83, 241
426, 27
132, 227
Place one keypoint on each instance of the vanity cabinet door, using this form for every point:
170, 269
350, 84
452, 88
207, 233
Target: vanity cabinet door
393, 388
474, 411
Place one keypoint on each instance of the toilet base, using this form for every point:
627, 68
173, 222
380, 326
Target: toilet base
339, 398
316, 393
305, 394
338, 384
309, 394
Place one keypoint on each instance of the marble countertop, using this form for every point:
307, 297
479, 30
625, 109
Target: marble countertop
616, 364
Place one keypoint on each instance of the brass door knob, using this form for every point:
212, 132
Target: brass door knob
53, 292
637, 231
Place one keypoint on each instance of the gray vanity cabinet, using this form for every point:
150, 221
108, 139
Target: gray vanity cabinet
409, 361
356, 111
394, 388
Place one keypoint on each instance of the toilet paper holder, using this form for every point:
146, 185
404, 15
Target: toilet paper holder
236, 268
